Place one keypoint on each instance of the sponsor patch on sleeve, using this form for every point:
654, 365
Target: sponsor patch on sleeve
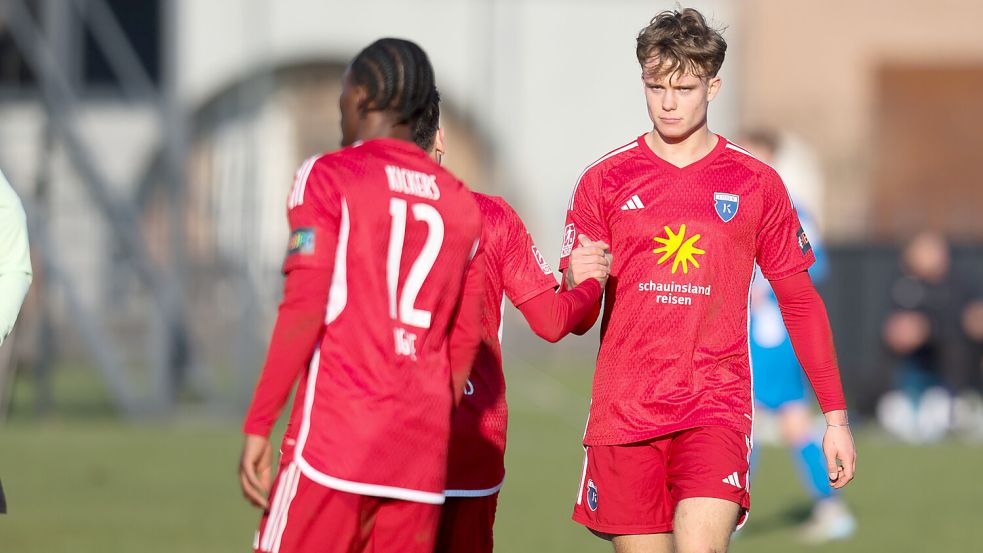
569, 239
301, 242
804, 244
541, 261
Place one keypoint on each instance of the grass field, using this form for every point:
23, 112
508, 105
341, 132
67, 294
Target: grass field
99, 485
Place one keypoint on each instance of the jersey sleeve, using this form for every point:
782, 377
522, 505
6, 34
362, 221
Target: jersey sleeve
466, 329
314, 214
552, 315
782, 246
296, 334
525, 272
805, 317
586, 214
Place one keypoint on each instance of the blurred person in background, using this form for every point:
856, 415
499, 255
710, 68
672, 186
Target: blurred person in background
780, 385
15, 258
15, 274
928, 336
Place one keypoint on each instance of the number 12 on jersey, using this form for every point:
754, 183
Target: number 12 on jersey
403, 308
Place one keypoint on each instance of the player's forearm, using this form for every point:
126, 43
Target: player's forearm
553, 315
592, 314
465, 338
808, 327
298, 328
589, 319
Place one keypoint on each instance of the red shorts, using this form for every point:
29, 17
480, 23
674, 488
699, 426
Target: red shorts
634, 488
307, 517
466, 525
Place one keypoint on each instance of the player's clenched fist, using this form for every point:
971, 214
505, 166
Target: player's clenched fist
589, 260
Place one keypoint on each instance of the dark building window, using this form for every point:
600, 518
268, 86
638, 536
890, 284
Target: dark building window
85, 63
140, 22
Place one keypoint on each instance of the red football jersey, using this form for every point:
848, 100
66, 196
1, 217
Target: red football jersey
674, 336
395, 233
514, 268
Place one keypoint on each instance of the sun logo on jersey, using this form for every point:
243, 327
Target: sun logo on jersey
682, 250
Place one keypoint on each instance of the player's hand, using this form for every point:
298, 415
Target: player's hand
256, 470
840, 452
589, 260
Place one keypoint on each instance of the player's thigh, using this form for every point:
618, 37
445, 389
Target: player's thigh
704, 524
710, 462
624, 489
643, 543
404, 526
467, 525
306, 517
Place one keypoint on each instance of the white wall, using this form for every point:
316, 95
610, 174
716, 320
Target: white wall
551, 84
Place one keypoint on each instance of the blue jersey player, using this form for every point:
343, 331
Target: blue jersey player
781, 388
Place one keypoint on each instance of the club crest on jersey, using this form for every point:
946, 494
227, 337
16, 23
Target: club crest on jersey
301, 241
569, 239
538, 256
726, 205
591, 495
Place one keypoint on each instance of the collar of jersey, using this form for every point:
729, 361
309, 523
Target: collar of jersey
692, 167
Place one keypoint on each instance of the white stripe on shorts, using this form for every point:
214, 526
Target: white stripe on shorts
286, 511
277, 509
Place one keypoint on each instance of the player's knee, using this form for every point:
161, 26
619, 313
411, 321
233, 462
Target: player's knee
704, 547
796, 425
708, 540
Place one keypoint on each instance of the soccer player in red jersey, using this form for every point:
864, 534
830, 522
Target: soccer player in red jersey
687, 215
382, 239
514, 268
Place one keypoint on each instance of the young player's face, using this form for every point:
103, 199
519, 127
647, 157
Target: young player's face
351, 96
677, 103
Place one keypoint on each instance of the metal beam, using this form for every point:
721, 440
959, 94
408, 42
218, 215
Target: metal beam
59, 100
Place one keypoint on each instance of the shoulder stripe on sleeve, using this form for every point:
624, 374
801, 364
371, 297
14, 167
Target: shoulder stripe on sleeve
612, 153
733, 146
300, 182
737, 148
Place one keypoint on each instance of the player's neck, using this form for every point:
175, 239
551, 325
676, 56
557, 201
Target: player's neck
684, 150
378, 125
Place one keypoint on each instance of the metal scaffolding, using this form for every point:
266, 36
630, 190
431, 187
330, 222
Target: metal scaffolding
173, 358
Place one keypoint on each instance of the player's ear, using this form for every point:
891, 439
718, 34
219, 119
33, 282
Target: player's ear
713, 86
438, 144
364, 103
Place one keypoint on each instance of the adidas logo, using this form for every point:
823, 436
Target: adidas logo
732, 480
634, 203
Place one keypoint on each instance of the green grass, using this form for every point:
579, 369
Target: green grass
100, 485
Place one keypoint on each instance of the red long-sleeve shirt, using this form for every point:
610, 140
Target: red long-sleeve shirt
808, 327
